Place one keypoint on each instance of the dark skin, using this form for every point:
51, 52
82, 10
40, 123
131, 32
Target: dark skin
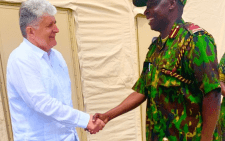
162, 14
131, 102
210, 114
222, 88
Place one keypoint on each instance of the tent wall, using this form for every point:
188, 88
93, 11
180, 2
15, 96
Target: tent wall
5, 34
111, 46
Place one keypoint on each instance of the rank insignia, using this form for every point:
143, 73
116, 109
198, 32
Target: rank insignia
174, 32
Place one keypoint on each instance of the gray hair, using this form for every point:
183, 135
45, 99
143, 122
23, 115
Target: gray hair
31, 11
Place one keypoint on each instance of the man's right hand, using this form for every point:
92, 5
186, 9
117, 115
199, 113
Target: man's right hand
131, 102
94, 127
103, 117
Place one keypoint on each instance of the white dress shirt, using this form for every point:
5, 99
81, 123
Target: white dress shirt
39, 94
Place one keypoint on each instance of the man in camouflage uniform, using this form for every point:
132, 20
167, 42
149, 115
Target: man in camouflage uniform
222, 83
179, 79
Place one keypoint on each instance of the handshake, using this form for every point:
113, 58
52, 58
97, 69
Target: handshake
96, 123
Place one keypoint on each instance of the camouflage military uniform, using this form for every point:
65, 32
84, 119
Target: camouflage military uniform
222, 112
175, 78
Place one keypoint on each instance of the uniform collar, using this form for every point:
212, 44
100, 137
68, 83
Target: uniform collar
173, 33
175, 28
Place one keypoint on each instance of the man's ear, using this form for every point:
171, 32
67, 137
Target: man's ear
30, 31
173, 4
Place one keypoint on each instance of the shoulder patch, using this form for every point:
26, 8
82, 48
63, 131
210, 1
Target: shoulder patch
193, 28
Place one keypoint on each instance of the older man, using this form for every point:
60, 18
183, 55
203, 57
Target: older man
38, 83
179, 79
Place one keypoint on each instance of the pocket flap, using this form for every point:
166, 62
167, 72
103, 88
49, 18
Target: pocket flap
161, 79
168, 81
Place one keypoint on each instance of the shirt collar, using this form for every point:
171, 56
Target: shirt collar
36, 49
173, 33
178, 22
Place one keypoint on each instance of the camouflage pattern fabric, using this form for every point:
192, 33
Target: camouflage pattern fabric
222, 69
173, 107
183, 1
222, 111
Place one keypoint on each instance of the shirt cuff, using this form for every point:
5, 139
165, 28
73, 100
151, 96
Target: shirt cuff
83, 120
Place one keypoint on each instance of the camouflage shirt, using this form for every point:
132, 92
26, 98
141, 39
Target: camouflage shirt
175, 78
222, 112
222, 69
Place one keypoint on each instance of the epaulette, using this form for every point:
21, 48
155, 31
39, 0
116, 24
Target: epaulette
193, 28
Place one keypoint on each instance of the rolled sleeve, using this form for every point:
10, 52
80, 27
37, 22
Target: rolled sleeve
140, 85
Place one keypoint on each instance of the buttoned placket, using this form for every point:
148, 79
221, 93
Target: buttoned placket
160, 50
47, 59
50, 61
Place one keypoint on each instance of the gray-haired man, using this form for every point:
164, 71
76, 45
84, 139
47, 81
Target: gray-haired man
38, 82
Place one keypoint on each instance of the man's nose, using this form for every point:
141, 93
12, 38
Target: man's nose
56, 30
147, 12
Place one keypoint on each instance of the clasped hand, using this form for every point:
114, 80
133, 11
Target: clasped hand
96, 123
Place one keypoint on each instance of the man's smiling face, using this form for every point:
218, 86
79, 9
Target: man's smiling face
44, 34
157, 12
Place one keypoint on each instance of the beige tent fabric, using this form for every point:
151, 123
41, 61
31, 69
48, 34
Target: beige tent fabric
3, 132
108, 55
108, 62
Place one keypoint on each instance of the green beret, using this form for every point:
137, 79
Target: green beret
140, 3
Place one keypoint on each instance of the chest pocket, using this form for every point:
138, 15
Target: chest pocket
63, 83
155, 77
166, 60
165, 69
174, 72
166, 66
168, 81
48, 80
